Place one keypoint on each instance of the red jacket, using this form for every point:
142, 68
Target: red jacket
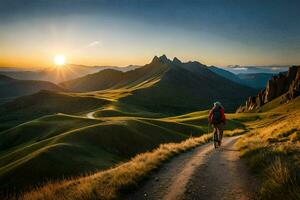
210, 116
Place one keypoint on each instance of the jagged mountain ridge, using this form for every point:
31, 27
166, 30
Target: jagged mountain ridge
286, 85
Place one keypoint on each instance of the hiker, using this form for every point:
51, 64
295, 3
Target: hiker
217, 119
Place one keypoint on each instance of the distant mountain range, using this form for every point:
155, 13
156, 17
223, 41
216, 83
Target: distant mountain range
254, 80
57, 75
12, 88
252, 76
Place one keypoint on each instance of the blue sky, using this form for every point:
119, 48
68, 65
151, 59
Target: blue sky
90, 32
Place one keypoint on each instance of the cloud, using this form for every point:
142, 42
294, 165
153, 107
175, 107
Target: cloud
92, 44
240, 68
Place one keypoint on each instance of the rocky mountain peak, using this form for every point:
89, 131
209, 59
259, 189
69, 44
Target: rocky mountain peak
155, 59
162, 59
176, 61
286, 84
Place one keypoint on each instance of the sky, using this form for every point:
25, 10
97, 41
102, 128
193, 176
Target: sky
124, 32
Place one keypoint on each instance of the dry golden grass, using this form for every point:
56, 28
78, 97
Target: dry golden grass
272, 150
281, 179
109, 184
235, 132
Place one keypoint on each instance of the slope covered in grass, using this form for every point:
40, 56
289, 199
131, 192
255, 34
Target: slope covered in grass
120, 109
74, 145
44, 103
110, 184
272, 150
165, 86
113, 79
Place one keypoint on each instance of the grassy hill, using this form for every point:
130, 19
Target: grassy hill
197, 89
270, 147
113, 79
110, 117
166, 86
74, 144
43, 103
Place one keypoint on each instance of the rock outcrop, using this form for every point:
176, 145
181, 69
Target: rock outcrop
286, 85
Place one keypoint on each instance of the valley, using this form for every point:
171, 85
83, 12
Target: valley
101, 121
149, 100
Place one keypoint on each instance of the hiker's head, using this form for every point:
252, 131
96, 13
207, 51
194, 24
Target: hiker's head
217, 103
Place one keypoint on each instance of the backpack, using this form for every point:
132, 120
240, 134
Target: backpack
217, 116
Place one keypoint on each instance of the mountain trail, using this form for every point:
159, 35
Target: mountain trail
90, 115
203, 173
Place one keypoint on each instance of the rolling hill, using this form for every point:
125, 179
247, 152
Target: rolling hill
45, 102
56, 129
167, 86
270, 148
111, 116
74, 145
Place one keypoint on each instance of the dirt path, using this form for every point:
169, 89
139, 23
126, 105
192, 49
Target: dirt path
90, 115
203, 173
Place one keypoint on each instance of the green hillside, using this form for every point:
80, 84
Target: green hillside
113, 79
270, 147
165, 86
43, 103
73, 145
76, 145
106, 120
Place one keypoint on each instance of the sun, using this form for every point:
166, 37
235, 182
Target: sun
59, 60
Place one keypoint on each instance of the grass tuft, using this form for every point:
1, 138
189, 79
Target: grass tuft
281, 181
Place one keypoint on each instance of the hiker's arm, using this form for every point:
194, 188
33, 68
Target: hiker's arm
223, 116
210, 116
